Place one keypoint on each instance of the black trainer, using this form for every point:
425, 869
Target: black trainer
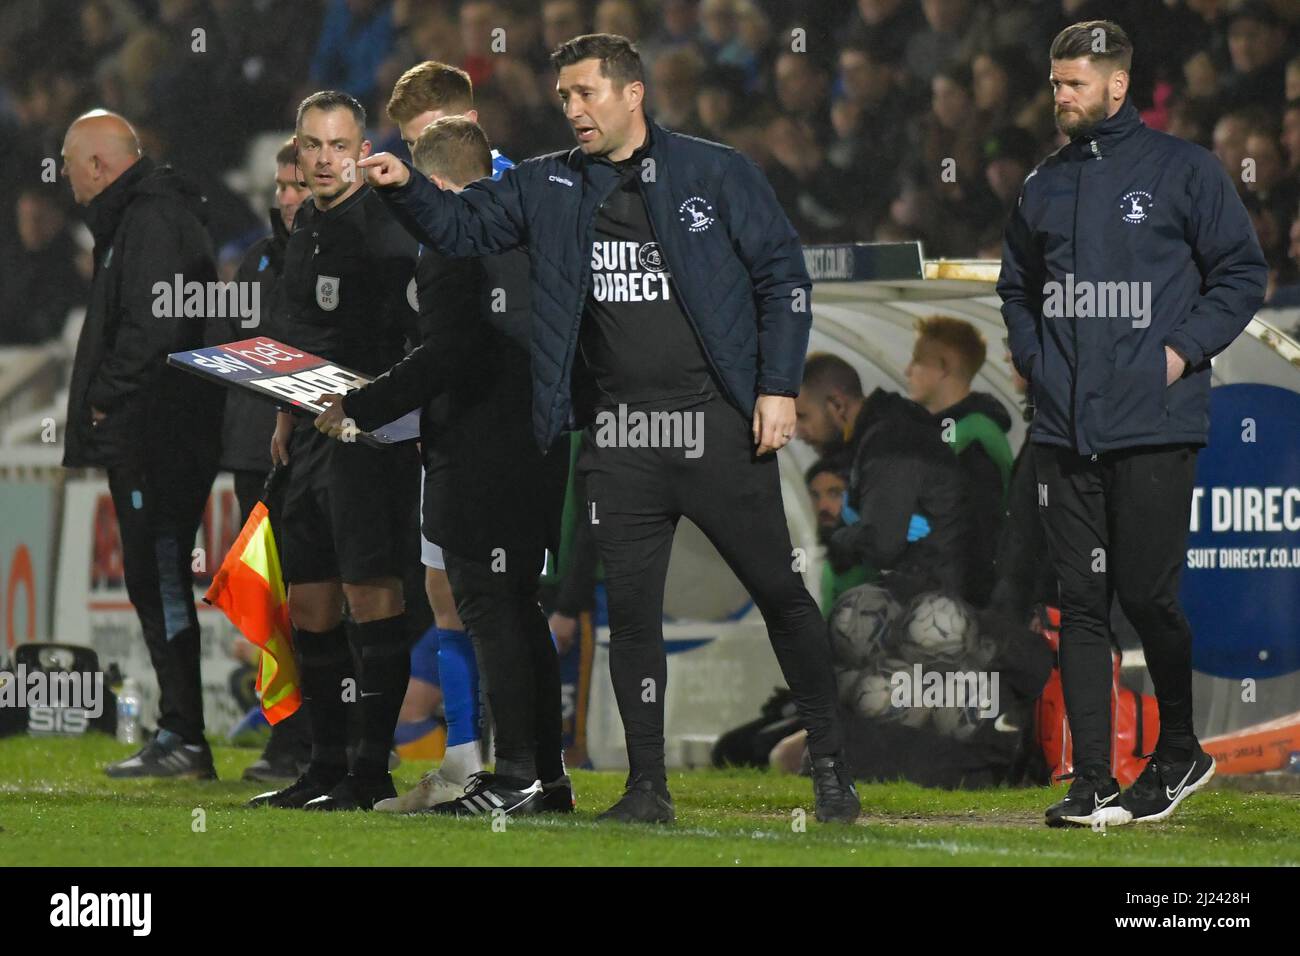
557, 796
1089, 801
643, 801
166, 755
487, 793
314, 782
1163, 784
834, 795
355, 792
273, 767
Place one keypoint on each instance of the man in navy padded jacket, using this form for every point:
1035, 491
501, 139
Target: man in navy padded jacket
1127, 265
668, 287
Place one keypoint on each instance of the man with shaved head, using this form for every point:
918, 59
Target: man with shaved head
153, 428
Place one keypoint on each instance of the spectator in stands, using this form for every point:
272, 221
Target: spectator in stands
156, 429
1230, 134
720, 40
675, 84
1291, 137
1002, 86
948, 354
885, 27
802, 91
719, 102
1191, 119
818, 198
355, 39
754, 28
869, 123
1200, 76
945, 176
1257, 39
953, 31
907, 513
39, 282
1286, 293
678, 27
1009, 155
1276, 188
562, 20
620, 17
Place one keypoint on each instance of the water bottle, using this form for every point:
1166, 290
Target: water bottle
128, 712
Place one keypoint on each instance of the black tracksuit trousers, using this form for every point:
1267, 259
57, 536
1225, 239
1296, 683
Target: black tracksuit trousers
1117, 526
638, 495
158, 516
518, 664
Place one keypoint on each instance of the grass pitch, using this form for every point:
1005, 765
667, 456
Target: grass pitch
57, 808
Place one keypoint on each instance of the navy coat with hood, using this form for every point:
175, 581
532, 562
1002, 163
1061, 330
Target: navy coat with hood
1120, 205
735, 260
148, 229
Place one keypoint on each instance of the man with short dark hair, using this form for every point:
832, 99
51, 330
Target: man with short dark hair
345, 522
154, 428
1127, 265
667, 264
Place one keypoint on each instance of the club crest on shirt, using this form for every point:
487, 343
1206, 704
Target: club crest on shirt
651, 257
695, 212
1136, 205
327, 292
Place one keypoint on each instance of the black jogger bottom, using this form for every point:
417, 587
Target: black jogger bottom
158, 517
517, 660
1117, 526
638, 495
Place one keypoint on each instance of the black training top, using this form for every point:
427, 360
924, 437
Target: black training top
349, 284
636, 340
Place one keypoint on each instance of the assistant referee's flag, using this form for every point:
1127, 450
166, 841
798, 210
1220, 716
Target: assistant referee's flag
249, 588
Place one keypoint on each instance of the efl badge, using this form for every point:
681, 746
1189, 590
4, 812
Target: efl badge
412, 299
327, 292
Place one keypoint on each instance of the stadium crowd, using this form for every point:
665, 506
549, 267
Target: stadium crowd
873, 119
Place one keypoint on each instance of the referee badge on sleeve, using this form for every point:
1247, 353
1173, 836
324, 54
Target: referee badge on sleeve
412, 299
327, 292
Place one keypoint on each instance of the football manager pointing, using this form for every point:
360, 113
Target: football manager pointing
1128, 264
666, 281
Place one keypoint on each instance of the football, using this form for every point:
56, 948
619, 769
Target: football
859, 625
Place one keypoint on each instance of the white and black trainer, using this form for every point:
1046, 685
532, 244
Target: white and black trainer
1163, 784
1090, 802
434, 788
487, 794
166, 755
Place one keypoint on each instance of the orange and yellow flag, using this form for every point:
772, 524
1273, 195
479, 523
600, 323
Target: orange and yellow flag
249, 589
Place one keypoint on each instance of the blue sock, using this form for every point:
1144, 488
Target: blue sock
458, 671
409, 731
